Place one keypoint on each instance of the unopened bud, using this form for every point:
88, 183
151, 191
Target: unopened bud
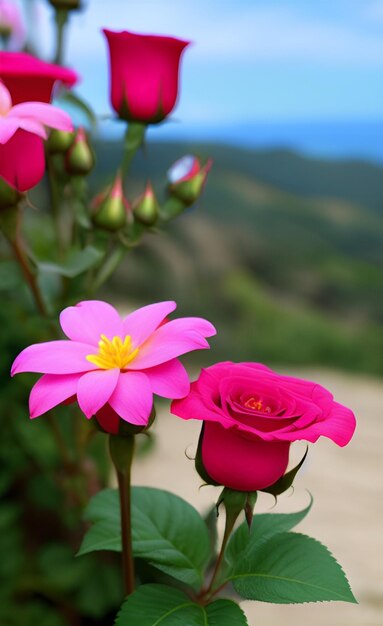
79, 159
59, 141
112, 208
9, 196
187, 179
146, 208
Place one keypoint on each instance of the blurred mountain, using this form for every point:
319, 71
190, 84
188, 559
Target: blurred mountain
288, 245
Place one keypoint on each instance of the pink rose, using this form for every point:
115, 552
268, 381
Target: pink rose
144, 75
251, 415
28, 80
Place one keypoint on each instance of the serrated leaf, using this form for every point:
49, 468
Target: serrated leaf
76, 264
159, 605
244, 543
167, 531
291, 568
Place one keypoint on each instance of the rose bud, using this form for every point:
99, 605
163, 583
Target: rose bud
79, 159
59, 141
12, 31
251, 415
143, 75
112, 208
146, 208
187, 179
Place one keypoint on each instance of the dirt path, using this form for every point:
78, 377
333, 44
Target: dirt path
347, 485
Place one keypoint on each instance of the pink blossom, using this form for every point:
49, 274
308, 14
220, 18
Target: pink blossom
22, 129
113, 365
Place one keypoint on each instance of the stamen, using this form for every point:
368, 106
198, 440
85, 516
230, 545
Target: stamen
113, 353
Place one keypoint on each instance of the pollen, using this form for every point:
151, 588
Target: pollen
257, 405
113, 353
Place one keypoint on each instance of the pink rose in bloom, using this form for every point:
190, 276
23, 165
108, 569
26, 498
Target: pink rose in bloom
144, 75
113, 365
29, 79
11, 25
252, 414
22, 129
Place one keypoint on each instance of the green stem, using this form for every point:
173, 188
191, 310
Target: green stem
134, 138
109, 265
18, 248
61, 18
121, 450
55, 204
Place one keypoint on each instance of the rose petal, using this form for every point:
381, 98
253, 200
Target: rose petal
169, 380
89, 319
133, 399
51, 390
144, 321
54, 357
95, 388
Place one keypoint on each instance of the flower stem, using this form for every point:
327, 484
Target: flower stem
134, 138
121, 450
61, 20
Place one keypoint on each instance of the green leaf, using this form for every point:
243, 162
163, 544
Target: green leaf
159, 605
76, 264
291, 568
244, 543
167, 531
75, 100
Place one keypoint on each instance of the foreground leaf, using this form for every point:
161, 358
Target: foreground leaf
155, 605
291, 568
244, 543
167, 531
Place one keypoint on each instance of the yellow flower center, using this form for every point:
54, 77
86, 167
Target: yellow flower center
113, 353
257, 405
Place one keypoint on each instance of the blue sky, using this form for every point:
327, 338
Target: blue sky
252, 60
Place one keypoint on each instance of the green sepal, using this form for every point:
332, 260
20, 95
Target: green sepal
199, 463
9, 196
285, 482
111, 215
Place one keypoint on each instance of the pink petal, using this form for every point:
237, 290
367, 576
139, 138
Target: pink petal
22, 160
95, 388
7, 129
173, 339
169, 380
143, 322
54, 357
87, 320
32, 126
46, 114
133, 399
51, 390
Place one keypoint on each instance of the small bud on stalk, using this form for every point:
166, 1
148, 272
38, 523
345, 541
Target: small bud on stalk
187, 179
59, 141
80, 159
112, 208
146, 208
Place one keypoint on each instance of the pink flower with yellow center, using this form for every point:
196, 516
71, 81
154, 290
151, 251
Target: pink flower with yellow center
113, 365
